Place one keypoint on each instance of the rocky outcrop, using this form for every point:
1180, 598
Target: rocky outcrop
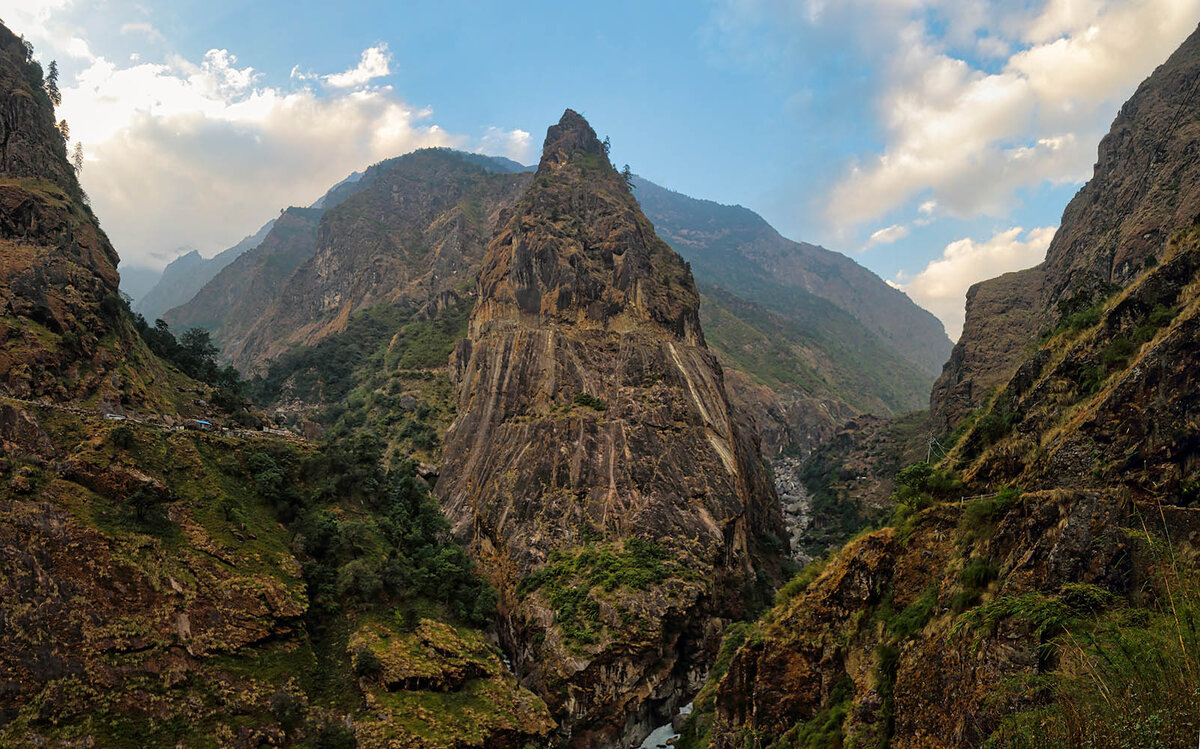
1144, 189
595, 466
984, 615
821, 651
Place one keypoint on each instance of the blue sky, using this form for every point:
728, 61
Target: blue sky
935, 141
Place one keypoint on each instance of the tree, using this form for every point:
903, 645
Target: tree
64, 130
627, 175
77, 157
51, 84
607, 145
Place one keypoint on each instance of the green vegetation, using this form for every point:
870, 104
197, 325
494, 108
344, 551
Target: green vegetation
1115, 355
801, 580
913, 618
786, 339
382, 374
1131, 672
589, 401
1083, 309
824, 730
393, 547
571, 579
918, 486
994, 422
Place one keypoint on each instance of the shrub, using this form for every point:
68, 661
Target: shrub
590, 401
366, 663
914, 616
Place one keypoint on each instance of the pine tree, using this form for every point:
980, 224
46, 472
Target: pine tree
77, 157
51, 84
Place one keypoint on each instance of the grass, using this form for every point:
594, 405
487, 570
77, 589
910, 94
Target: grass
1131, 680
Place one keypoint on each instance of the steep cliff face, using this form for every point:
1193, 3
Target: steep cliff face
595, 466
416, 228
1061, 613
62, 335
1144, 189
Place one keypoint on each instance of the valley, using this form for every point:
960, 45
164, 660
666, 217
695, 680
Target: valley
468, 453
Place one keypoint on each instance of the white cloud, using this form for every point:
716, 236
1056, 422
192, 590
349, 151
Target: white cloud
142, 27
77, 47
374, 63
887, 235
35, 19
514, 144
182, 153
971, 139
942, 286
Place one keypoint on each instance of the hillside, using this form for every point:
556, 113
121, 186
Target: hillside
188, 273
1035, 587
163, 586
733, 247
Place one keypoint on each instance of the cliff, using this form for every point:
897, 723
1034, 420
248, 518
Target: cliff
1036, 586
595, 467
1144, 189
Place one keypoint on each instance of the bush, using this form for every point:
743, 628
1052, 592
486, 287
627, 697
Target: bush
366, 663
123, 438
590, 401
914, 616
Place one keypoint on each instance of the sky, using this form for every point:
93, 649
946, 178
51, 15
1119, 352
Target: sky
936, 142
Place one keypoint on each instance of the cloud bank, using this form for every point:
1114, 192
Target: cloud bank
182, 152
971, 138
941, 287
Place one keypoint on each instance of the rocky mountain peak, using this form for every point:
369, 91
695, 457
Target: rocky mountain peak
579, 250
571, 137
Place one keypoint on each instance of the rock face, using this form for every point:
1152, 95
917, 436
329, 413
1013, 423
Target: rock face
61, 334
1146, 186
595, 466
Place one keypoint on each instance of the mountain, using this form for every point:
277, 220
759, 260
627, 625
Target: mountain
64, 336
163, 586
1145, 188
595, 467
817, 337
188, 273
1035, 586
414, 227
184, 276
136, 280
734, 248
240, 292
